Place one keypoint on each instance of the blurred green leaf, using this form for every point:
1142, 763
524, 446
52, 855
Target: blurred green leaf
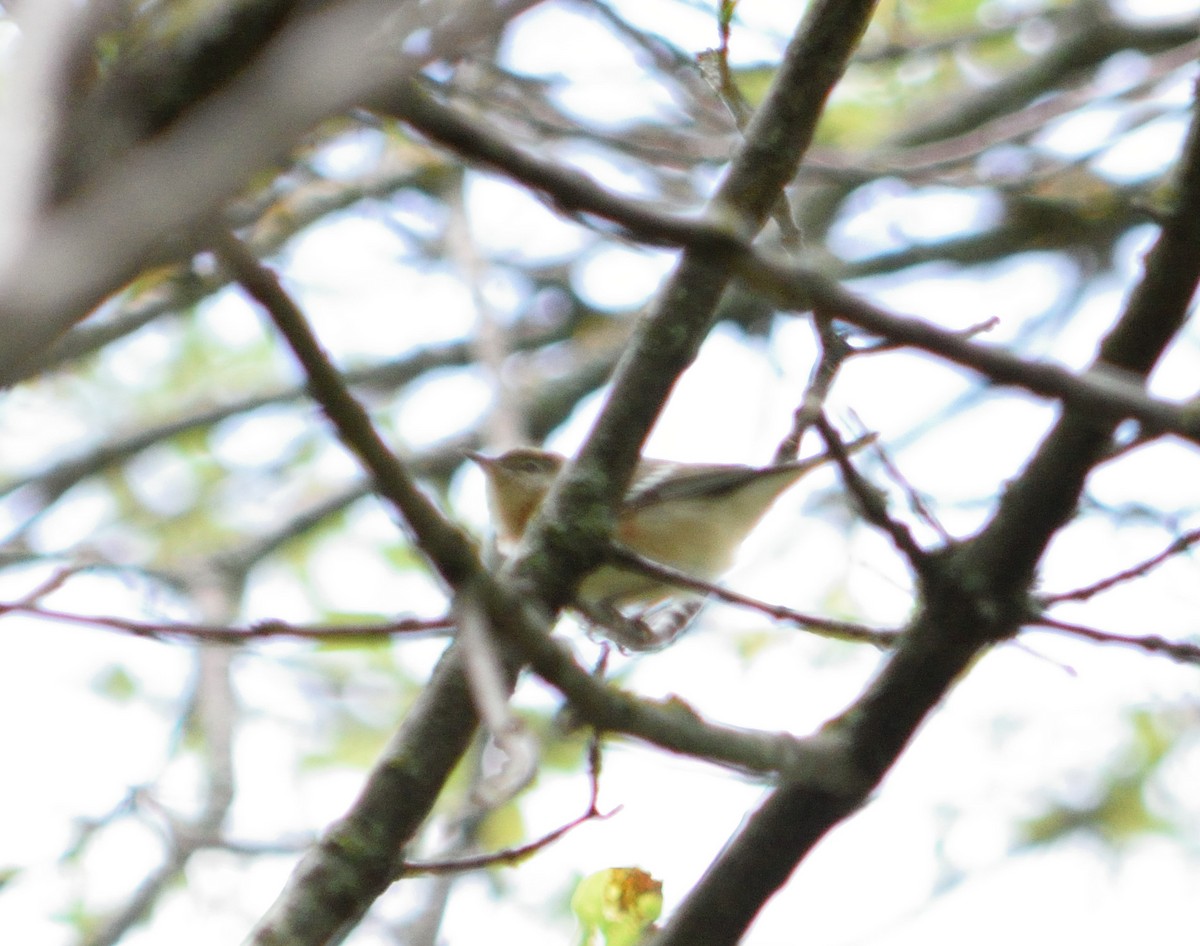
116, 683
617, 906
1120, 813
502, 828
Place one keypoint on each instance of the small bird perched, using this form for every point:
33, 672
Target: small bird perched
691, 517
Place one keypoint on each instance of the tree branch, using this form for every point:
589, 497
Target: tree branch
790, 286
971, 597
153, 205
337, 881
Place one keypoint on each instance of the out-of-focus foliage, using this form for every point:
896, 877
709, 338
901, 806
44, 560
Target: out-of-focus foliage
616, 907
165, 475
1122, 812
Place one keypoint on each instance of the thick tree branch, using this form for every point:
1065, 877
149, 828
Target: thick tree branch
972, 596
138, 201
338, 880
1105, 389
274, 222
359, 856
569, 535
1048, 490
787, 285
571, 191
149, 86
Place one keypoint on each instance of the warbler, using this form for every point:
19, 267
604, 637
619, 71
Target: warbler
691, 517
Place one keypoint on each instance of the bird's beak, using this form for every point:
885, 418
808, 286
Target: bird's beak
482, 459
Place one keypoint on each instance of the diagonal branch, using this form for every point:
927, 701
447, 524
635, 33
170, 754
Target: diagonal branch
1177, 547
448, 547
570, 532
337, 881
1179, 651
1105, 389
973, 595
790, 286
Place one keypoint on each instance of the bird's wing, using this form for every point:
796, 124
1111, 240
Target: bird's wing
663, 481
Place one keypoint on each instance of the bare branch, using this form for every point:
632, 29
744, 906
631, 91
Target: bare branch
824, 627
791, 286
871, 500
398, 797
516, 855
1176, 548
972, 596
227, 634
450, 550
1151, 644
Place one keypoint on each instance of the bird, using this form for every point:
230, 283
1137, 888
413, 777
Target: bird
689, 517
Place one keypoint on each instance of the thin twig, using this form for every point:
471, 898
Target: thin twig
1153, 643
834, 350
227, 634
793, 287
515, 855
916, 502
887, 345
825, 627
871, 500
1177, 547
